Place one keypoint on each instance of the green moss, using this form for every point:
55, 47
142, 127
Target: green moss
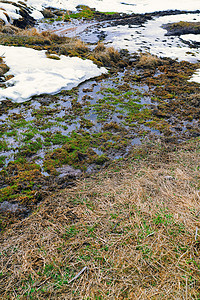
100, 160
11, 133
3, 146
74, 152
19, 177
57, 139
28, 136
109, 13
15, 124
85, 13
30, 149
2, 160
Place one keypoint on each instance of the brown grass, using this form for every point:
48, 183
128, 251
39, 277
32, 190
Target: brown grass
74, 46
107, 56
148, 61
133, 226
30, 32
33, 32
100, 47
61, 45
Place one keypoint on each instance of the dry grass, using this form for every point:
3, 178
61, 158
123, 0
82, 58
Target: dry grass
30, 32
107, 56
100, 47
74, 46
133, 226
60, 44
48, 35
148, 61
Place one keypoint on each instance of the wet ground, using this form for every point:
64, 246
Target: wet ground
50, 140
146, 33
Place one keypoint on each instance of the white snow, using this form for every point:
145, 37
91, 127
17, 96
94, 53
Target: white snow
191, 38
196, 77
135, 6
10, 10
35, 74
151, 38
126, 6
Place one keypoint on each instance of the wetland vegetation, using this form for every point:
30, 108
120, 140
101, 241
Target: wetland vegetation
90, 173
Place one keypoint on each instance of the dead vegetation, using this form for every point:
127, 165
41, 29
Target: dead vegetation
129, 232
60, 45
148, 60
106, 55
74, 46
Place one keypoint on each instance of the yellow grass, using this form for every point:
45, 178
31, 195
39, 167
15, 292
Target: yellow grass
148, 61
133, 229
107, 56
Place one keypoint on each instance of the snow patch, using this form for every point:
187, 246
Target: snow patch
196, 77
127, 6
191, 38
151, 38
35, 74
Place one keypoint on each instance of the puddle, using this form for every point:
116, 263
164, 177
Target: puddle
136, 141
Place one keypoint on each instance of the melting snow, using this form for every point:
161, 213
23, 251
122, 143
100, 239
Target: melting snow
151, 38
70, 71
127, 6
35, 74
191, 38
196, 77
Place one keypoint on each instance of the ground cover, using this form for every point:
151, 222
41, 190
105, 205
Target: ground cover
132, 229
91, 125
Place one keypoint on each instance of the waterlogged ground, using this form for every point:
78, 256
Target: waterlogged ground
96, 114
134, 118
48, 141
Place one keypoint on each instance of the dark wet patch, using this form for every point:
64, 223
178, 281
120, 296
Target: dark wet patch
182, 27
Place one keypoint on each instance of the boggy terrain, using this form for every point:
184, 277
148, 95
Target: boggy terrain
99, 185
50, 140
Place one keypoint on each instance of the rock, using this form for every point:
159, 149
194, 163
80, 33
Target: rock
26, 20
58, 13
169, 177
47, 13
